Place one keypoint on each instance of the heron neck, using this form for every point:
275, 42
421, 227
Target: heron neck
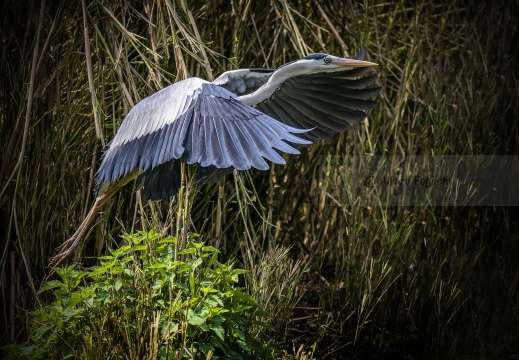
278, 77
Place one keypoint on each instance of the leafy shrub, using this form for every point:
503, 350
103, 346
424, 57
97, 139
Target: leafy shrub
145, 301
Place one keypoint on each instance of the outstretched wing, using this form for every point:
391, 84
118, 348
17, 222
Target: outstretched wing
243, 81
200, 121
325, 102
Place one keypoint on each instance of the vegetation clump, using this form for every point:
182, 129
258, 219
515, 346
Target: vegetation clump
147, 300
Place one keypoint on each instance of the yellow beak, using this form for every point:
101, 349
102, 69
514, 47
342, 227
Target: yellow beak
353, 63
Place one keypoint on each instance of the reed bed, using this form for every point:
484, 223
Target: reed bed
343, 281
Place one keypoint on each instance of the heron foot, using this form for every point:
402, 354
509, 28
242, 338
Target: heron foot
61, 257
67, 248
65, 245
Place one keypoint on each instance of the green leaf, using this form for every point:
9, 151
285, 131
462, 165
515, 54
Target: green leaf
193, 301
240, 271
192, 235
240, 295
219, 344
49, 285
219, 331
128, 273
118, 284
212, 303
157, 266
196, 263
183, 287
157, 286
178, 263
240, 308
238, 334
194, 319
207, 290
187, 251
205, 348
171, 278
203, 327
206, 281
140, 247
70, 313
99, 270
197, 245
168, 240
242, 344
209, 249
217, 319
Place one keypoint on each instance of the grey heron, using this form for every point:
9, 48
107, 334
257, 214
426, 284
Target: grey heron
238, 121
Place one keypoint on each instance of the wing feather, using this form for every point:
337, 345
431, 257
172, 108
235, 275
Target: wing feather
202, 122
338, 100
248, 145
325, 123
206, 147
263, 144
275, 142
161, 182
220, 145
239, 157
268, 151
305, 119
285, 110
363, 94
325, 109
327, 103
145, 156
165, 148
180, 136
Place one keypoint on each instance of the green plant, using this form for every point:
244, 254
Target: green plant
147, 301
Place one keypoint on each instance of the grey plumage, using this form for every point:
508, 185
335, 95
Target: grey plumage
240, 121
212, 129
243, 81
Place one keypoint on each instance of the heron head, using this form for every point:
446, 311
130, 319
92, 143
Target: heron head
324, 63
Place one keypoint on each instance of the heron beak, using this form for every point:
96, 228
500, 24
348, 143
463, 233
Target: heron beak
353, 63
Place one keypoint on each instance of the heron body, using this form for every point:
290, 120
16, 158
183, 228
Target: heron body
209, 124
243, 81
201, 121
239, 121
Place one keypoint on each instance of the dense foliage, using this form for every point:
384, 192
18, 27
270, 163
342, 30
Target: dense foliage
148, 300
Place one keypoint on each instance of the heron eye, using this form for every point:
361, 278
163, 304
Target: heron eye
327, 60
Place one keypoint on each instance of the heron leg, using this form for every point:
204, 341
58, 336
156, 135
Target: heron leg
67, 248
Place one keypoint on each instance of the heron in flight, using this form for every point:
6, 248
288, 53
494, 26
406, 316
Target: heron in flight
238, 121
